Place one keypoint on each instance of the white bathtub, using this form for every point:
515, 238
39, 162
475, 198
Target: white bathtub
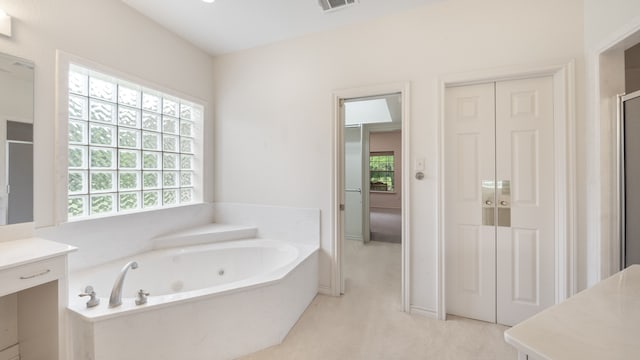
212, 301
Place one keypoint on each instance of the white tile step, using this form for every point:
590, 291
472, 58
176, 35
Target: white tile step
205, 234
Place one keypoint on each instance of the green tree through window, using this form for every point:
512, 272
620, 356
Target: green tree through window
381, 171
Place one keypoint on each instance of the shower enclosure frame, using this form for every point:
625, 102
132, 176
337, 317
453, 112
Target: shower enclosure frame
622, 99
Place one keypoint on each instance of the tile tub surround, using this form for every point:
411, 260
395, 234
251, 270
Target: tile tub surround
273, 222
209, 326
106, 239
110, 238
212, 325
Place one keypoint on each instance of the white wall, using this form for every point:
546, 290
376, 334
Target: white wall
274, 111
110, 33
603, 19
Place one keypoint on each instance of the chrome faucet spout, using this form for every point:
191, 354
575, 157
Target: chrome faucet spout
115, 299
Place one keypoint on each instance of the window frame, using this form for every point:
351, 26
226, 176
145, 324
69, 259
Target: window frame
393, 177
64, 64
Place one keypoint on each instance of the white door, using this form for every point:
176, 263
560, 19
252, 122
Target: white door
470, 160
353, 215
499, 195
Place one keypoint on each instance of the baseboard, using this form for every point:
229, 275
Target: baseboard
325, 290
10, 353
423, 312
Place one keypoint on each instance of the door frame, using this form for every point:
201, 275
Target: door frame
620, 165
337, 183
564, 168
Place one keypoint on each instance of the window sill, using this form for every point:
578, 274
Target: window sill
383, 192
132, 212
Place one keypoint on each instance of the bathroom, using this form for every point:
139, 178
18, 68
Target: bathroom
268, 155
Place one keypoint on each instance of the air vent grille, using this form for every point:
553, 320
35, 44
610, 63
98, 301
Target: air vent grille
330, 5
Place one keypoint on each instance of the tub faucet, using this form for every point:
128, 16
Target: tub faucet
115, 299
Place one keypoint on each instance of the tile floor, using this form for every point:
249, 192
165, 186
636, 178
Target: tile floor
366, 322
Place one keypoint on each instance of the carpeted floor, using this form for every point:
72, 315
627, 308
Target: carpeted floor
386, 225
367, 323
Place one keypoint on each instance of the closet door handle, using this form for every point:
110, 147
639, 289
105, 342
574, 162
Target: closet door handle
488, 198
503, 190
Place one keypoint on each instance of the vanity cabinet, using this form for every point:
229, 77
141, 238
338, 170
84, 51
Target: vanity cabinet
598, 323
33, 296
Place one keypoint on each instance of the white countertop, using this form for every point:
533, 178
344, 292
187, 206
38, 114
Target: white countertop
602, 322
24, 251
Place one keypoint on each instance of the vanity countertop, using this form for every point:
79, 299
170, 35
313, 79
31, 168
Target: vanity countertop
19, 252
602, 322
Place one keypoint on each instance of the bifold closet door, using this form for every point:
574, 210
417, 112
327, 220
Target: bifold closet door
469, 162
499, 200
525, 167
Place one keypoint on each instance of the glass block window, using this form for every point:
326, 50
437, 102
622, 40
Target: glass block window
381, 171
130, 148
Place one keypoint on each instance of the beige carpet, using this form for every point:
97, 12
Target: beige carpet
386, 225
366, 323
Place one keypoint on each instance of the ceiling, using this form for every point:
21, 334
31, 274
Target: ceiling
231, 25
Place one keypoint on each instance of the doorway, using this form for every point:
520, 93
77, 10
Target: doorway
360, 173
500, 199
372, 193
385, 180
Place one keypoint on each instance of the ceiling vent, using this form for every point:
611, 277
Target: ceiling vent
332, 5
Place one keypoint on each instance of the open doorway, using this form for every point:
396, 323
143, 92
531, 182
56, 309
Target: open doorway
372, 193
385, 179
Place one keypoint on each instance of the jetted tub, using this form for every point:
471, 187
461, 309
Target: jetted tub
210, 301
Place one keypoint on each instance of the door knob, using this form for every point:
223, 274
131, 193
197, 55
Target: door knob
503, 203
488, 202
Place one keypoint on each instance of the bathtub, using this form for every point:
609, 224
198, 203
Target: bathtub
210, 301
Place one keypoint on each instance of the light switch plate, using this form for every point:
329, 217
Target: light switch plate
5, 24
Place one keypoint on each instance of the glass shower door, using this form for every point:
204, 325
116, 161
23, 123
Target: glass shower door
630, 199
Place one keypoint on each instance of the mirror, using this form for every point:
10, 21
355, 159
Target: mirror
16, 140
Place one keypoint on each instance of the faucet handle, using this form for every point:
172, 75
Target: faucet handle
142, 297
93, 301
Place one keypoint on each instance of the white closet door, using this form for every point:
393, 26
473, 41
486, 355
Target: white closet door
524, 158
470, 160
499, 193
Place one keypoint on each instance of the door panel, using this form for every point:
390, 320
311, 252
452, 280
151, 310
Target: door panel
524, 152
353, 183
524, 157
470, 246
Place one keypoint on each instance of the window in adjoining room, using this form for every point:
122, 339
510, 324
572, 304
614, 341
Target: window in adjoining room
381, 171
130, 148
